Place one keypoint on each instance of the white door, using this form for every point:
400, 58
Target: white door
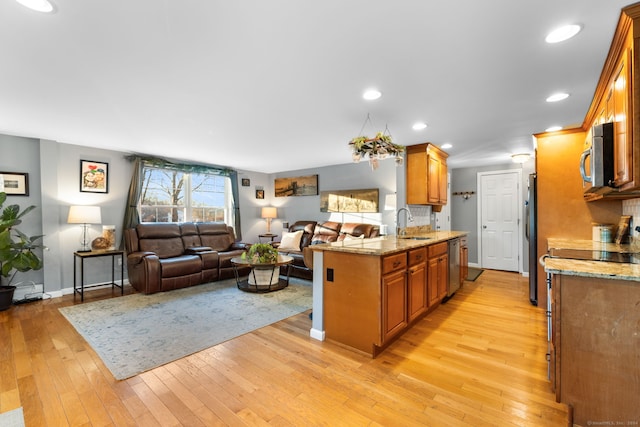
443, 218
499, 220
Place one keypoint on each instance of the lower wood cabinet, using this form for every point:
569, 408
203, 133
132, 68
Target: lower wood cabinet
369, 300
595, 349
464, 259
438, 271
417, 283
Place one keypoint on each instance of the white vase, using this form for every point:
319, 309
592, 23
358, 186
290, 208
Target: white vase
264, 276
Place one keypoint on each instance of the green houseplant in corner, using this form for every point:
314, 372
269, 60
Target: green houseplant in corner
16, 252
262, 257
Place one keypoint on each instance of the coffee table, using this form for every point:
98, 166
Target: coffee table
253, 282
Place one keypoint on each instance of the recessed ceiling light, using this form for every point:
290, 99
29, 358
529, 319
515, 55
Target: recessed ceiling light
557, 97
371, 94
419, 126
38, 5
520, 157
563, 33
553, 128
446, 146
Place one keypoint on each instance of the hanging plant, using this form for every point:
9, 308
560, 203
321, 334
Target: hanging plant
378, 148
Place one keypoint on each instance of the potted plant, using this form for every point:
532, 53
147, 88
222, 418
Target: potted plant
263, 257
16, 252
378, 148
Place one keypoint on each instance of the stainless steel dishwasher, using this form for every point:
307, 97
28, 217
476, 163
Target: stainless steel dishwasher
454, 267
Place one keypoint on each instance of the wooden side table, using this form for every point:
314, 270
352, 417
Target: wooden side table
84, 255
267, 236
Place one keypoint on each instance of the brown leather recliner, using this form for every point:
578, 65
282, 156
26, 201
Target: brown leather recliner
322, 232
166, 256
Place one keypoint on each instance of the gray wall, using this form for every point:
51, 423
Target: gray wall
53, 169
464, 213
22, 155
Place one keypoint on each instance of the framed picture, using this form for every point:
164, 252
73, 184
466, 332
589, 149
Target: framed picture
297, 186
259, 194
14, 183
246, 182
94, 176
352, 201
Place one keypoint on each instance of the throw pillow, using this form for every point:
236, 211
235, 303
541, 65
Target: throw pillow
352, 237
291, 241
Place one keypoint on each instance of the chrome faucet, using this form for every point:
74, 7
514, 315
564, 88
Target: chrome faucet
402, 231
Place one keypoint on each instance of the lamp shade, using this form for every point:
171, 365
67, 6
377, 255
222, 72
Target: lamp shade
269, 212
390, 202
84, 215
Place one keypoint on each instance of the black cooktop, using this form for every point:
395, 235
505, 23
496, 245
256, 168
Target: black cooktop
596, 255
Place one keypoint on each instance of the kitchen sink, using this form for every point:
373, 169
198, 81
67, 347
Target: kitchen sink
415, 238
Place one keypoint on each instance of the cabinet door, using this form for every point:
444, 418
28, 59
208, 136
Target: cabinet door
417, 290
416, 160
464, 263
443, 183
432, 280
433, 179
394, 304
623, 147
443, 275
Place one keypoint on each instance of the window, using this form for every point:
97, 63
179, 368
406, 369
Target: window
171, 195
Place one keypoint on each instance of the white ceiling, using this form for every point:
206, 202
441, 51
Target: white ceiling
276, 85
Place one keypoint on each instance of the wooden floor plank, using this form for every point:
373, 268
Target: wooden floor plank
477, 360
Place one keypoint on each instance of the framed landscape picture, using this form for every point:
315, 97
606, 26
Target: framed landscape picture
94, 176
297, 186
14, 183
352, 201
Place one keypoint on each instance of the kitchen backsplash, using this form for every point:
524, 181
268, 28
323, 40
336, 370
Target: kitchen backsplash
632, 207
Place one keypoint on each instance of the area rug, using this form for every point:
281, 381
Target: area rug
473, 273
13, 418
137, 332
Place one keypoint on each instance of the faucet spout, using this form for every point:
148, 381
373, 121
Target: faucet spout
403, 231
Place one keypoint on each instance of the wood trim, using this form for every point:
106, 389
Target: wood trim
610, 65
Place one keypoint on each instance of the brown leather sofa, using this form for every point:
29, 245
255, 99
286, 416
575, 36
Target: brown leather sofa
166, 256
322, 232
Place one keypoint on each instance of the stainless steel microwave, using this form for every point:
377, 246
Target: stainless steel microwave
597, 161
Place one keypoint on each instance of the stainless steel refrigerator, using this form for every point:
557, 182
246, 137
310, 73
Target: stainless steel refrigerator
531, 214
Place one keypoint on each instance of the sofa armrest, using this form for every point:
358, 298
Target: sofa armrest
195, 250
239, 246
137, 257
307, 256
144, 271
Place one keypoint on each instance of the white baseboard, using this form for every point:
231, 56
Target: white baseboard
316, 334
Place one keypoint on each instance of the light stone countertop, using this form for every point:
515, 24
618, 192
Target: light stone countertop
387, 245
599, 269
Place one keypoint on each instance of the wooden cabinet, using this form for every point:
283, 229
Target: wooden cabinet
617, 99
594, 350
437, 272
464, 259
369, 300
426, 175
417, 283
394, 295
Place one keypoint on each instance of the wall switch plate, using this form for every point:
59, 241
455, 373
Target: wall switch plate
329, 274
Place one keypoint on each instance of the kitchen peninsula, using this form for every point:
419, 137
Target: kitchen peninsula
595, 332
366, 292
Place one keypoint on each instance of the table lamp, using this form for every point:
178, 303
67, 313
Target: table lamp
269, 212
84, 215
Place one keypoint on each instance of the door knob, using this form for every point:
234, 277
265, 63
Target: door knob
484, 226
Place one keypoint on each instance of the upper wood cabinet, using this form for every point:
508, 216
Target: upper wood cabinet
426, 175
617, 99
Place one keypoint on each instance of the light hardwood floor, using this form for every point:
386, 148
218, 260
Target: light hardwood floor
478, 360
